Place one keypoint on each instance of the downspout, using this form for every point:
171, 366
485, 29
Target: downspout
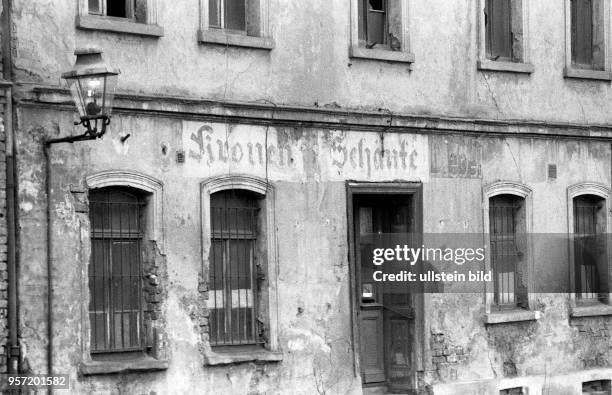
46, 148
49, 264
11, 195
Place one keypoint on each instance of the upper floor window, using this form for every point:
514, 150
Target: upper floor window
588, 30
380, 30
590, 252
587, 39
116, 8
504, 36
242, 23
506, 229
374, 24
120, 16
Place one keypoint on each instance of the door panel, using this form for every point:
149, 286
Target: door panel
372, 357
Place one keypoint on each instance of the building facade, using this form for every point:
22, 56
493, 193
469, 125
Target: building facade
214, 240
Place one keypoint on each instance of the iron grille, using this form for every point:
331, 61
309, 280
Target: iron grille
505, 253
232, 293
585, 248
115, 311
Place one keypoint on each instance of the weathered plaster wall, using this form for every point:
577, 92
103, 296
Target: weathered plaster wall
309, 65
309, 168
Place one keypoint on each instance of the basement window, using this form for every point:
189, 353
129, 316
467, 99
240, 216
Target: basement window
120, 16
597, 387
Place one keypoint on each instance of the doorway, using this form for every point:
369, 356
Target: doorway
383, 216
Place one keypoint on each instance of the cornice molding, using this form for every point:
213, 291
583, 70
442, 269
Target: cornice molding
268, 113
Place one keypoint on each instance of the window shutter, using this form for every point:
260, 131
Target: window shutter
582, 28
599, 41
499, 40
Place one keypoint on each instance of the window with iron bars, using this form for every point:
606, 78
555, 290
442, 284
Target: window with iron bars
590, 263
233, 288
507, 254
115, 286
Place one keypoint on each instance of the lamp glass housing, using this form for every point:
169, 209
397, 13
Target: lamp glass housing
93, 94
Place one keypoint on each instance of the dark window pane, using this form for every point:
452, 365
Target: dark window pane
116, 8
235, 14
377, 5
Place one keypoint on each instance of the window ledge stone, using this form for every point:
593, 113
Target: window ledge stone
503, 317
143, 364
587, 74
381, 54
225, 358
220, 37
509, 67
116, 25
591, 310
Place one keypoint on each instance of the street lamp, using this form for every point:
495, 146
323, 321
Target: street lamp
92, 84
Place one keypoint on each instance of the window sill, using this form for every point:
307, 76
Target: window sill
116, 25
503, 317
586, 74
509, 67
142, 364
381, 54
593, 310
236, 40
225, 358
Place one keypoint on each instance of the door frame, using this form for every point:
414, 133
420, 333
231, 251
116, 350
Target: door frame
356, 188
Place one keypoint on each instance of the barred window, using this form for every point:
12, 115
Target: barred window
115, 271
589, 248
233, 268
506, 222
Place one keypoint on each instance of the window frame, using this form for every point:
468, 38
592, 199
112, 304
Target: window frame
570, 71
358, 51
576, 190
212, 35
523, 65
111, 362
268, 294
147, 28
515, 314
